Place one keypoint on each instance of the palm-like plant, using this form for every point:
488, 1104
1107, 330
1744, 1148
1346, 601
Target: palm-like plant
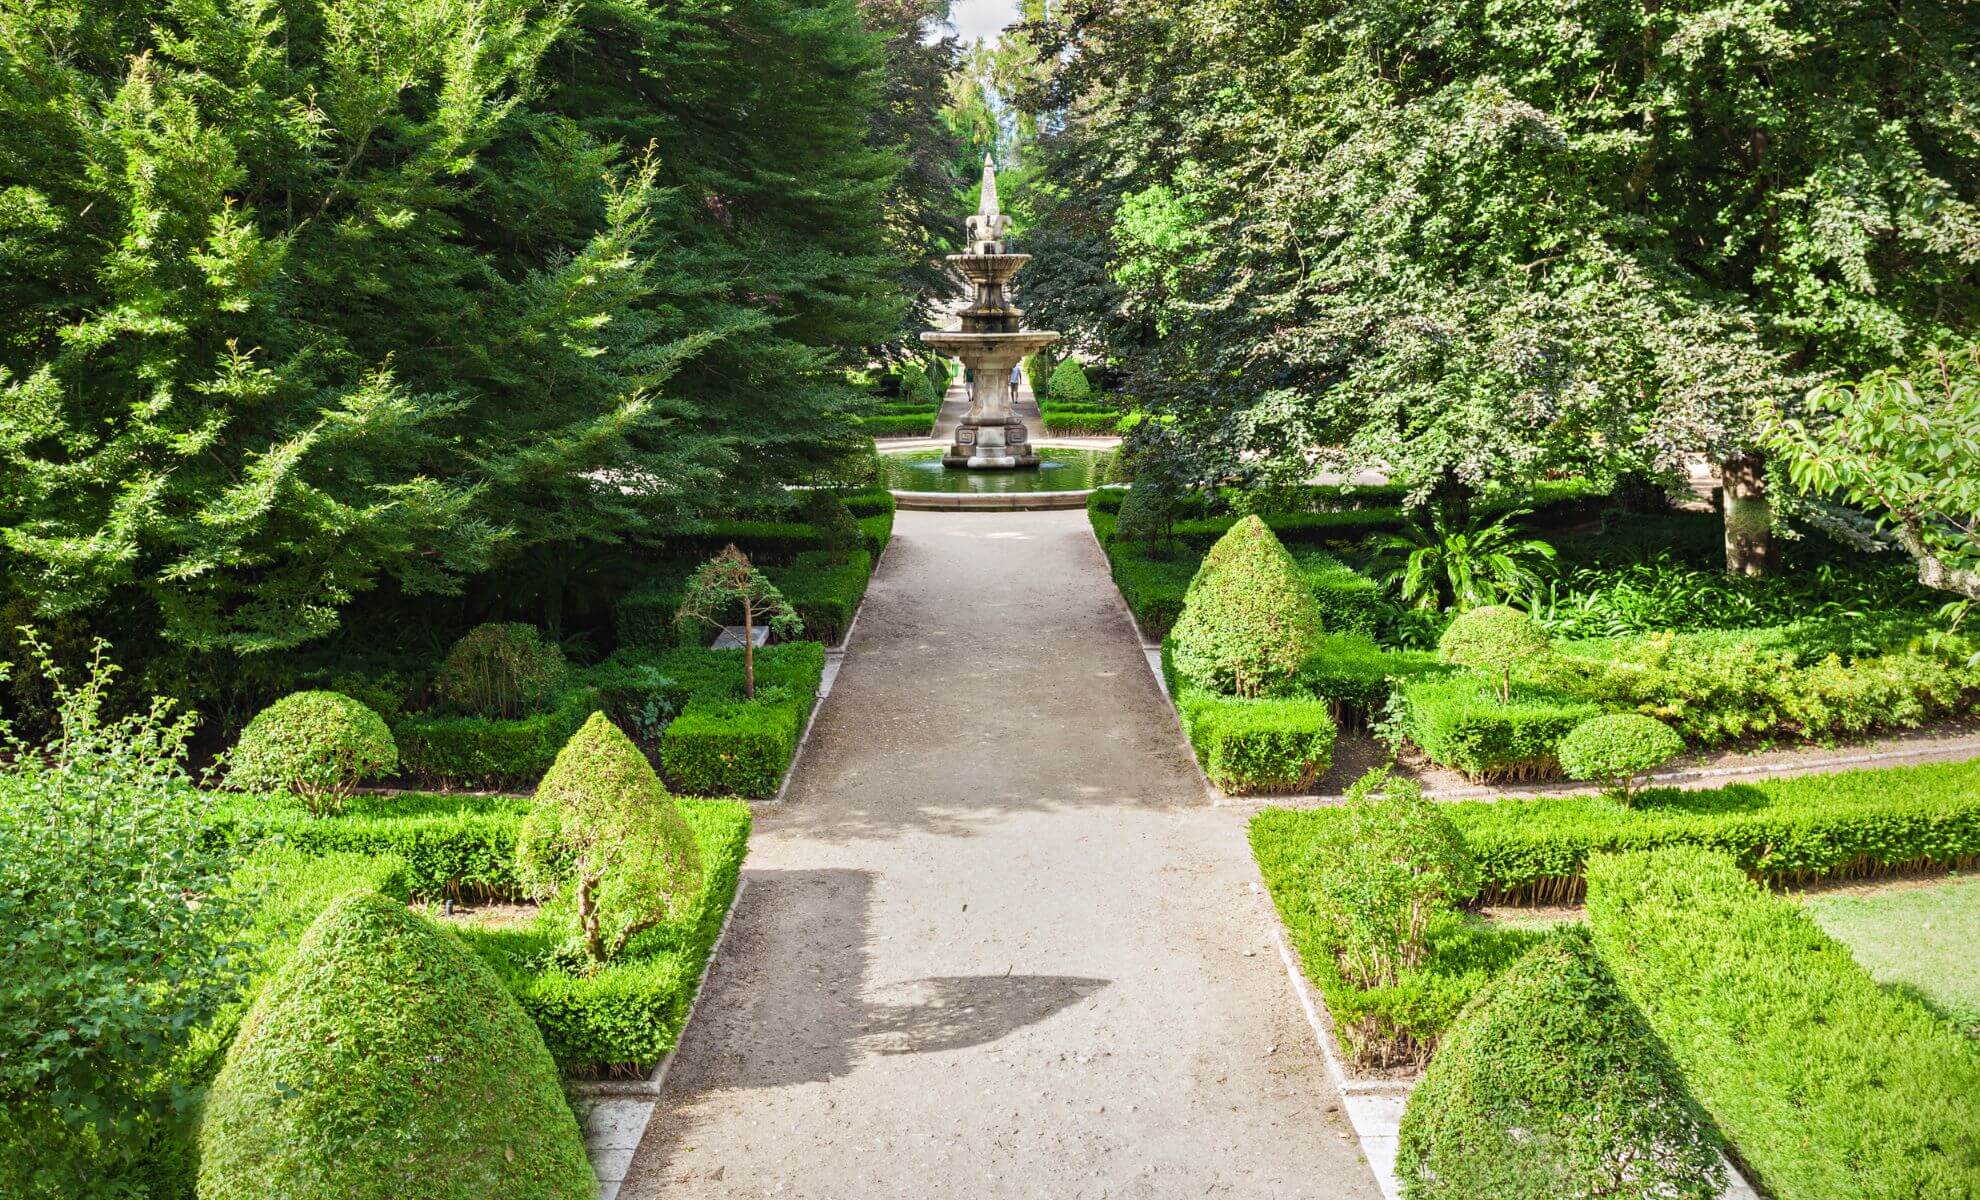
1478, 563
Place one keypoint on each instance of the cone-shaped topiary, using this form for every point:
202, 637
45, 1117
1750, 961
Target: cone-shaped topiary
1493, 639
1615, 748
385, 1061
1148, 516
1550, 1084
1248, 619
838, 533
1068, 383
607, 840
315, 745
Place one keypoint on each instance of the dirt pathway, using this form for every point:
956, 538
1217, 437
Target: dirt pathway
993, 944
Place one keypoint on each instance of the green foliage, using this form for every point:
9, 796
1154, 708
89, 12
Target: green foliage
1356, 677
1615, 748
1482, 562
1905, 445
728, 582
502, 670
1476, 265
605, 840
392, 1025
915, 425
628, 1013
1248, 620
1350, 602
1038, 370
453, 846
107, 966
1460, 721
1146, 518
1264, 744
478, 752
1494, 640
734, 746
1825, 1083
1068, 384
317, 745
1391, 864
917, 389
380, 317
1551, 1085
838, 534
1785, 830
1918, 939
1393, 1024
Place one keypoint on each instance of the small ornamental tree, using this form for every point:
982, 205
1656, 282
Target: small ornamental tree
1068, 384
1493, 639
1615, 748
315, 745
1148, 517
1248, 618
606, 839
728, 583
386, 1060
1551, 1084
503, 669
838, 533
1392, 864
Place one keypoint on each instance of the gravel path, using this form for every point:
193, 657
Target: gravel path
993, 944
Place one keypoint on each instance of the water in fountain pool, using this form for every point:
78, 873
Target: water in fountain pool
1058, 471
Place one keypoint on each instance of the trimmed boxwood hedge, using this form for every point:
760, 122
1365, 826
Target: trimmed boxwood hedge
1786, 830
1549, 1084
1826, 1083
484, 752
727, 746
1349, 601
1458, 721
629, 1012
1250, 746
458, 846
824, 593
1356, 677
916, 425
383, 1022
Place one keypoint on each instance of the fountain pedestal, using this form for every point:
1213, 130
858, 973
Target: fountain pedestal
992, 340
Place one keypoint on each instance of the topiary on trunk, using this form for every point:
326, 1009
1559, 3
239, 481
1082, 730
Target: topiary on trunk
1068, 383
1494, 639
386, 1061
1551, 1085
502, 670
607, 842
1248, 619
315, 745
838, 533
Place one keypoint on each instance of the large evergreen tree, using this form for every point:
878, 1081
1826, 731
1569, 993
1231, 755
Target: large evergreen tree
299, 299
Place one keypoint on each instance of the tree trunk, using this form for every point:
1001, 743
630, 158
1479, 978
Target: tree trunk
749, 652
1749, 516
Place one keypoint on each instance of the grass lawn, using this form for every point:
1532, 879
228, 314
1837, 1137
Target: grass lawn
1920, 939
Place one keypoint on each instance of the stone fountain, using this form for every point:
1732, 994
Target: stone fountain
990, 342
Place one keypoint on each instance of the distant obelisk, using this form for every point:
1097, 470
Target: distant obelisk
990, 342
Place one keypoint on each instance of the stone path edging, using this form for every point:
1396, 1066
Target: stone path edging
621, 1108
835, 657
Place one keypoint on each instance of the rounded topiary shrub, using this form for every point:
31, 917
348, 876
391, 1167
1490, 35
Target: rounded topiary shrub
1550, 1084
1068, 383
838, 533
1493, 639
503, 669
916, 387
607, 843
1248, 619
315, 745
386, 1061
1614, 749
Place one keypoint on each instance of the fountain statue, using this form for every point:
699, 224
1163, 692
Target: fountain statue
990, 343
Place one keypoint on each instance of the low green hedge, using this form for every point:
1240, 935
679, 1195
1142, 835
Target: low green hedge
824, 593
1356, 677
1396, 1025
1786, 830
1826, 1083
728, 746
460, 846
483, 752
1350, 602
630, 1012
1257, 746
918, 425
1458, 721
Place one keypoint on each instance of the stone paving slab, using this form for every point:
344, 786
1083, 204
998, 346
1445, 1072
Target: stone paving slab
994, 944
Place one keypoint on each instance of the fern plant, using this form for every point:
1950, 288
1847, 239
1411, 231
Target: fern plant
1475, 564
